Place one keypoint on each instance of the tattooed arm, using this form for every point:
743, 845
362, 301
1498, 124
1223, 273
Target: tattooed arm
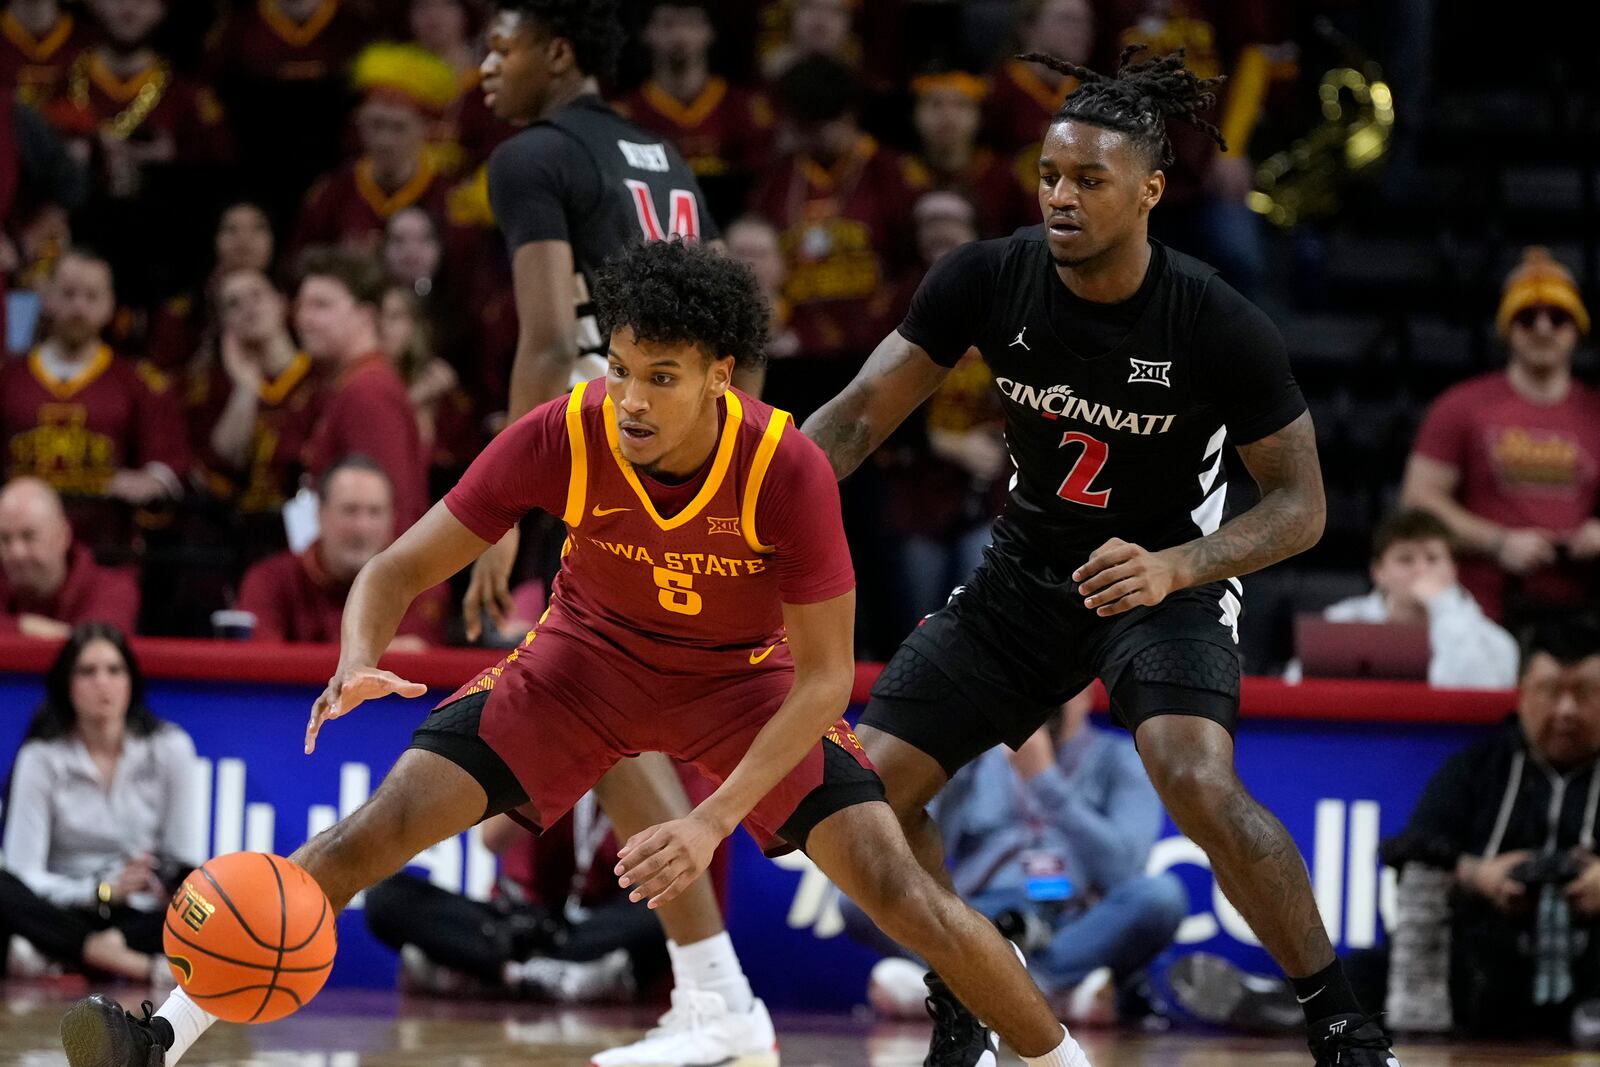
1286, 520
894, 381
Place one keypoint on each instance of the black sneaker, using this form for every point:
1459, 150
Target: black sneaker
1350, 1041
959, 1039
96, 1032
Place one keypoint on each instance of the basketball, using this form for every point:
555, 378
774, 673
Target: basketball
250, 937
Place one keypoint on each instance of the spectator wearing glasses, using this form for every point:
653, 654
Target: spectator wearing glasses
1511, 460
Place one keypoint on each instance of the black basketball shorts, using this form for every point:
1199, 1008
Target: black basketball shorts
1016, 642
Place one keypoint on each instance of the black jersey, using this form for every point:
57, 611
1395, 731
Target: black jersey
1115, 413
589, 177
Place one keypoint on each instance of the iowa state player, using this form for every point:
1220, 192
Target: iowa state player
578, 185
1123, 366
705, 610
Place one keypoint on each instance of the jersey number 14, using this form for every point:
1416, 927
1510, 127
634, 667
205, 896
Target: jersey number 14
683, 218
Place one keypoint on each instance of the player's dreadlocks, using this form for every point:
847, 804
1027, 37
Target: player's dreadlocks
591, 26
1139, 98
673, 292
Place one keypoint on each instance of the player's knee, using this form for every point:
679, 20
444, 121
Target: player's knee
1193, 789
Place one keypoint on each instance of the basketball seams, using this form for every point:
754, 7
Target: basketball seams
291, 994
177, 935
283, 932
223, 893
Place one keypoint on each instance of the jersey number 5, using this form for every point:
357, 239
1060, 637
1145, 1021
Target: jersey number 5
1081, 476
677, 592
685, 219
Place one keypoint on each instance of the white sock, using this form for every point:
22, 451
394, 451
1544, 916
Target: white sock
1066, 1054
713, 966
188, 1020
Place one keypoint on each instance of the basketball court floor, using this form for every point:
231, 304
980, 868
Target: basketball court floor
351, 1029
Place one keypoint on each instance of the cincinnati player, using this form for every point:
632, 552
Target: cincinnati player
578, 184
705, 610
1123, 366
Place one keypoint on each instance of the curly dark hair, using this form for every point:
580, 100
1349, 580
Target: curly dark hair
591, 26
1139, 98
676, 292
57, 717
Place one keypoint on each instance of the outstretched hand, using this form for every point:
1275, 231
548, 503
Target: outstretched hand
349, 689
663, 861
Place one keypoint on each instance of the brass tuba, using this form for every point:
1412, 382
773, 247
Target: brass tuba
1304, 181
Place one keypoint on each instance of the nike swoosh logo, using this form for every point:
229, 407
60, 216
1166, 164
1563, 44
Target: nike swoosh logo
1304, 999
757, 657
599, 511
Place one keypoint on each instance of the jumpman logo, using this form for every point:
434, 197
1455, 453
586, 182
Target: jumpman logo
1019, 341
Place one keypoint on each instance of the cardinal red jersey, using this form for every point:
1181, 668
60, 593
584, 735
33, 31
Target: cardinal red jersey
349, 208
36, 67
261, 44
725, 129
286, 413
112, 415
843, 231
687, 578
155, 105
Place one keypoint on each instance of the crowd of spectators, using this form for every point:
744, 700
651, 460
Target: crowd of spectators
249, 241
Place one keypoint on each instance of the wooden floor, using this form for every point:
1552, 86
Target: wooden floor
344, 1029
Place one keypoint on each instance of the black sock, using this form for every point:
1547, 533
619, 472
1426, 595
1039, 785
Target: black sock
1325, 993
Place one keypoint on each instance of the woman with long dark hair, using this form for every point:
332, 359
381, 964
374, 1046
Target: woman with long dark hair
104, 815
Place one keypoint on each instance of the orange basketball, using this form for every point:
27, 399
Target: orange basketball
250, 937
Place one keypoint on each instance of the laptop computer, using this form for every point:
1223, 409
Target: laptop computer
1326, 649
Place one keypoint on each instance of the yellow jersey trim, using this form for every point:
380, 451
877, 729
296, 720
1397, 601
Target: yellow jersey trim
297, 34
274, 392
578, 479
758, 474
385, 204
36, 50
719, 465
70, 387
686, 116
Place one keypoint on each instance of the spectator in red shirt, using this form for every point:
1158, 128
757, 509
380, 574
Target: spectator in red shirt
251, 412
724, 131
38, 41
102, 430
281, 67
1511, 460
406, 89
48, 582
300, 596
947, 115
1023, 97
153, 139
842, 204
365, 408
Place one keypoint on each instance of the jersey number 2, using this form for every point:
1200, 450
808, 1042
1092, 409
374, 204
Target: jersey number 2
1082, 475
685, 220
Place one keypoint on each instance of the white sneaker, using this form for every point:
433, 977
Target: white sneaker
700, 1031
896, 990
